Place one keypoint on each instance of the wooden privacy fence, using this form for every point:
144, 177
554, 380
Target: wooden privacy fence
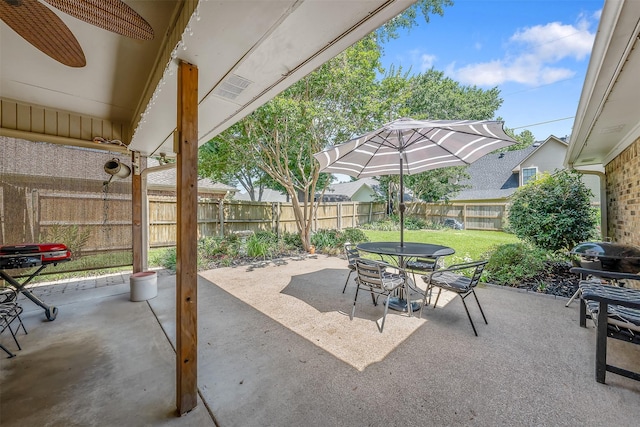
217, 218
27, 215
476, 216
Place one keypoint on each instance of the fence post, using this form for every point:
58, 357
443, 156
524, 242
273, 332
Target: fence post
353, 220
339, 216
221, 216
35, 207
278, 211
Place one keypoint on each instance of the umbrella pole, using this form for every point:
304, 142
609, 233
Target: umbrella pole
401, 204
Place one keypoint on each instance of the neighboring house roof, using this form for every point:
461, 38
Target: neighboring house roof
268, 195
492, 177
351, 188
497, 175
562, 141
165, 180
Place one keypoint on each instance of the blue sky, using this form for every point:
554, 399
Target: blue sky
535, 51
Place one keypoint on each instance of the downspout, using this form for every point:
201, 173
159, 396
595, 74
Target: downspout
145, 210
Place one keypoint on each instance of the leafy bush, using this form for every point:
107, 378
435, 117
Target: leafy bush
386, 225
393, 224
511, 263
413, 223
324, 240
262, 244
167, 258
553, 212
215, 247
353, 235
332, 241
292, 240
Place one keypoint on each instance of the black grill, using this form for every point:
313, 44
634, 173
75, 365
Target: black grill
608, 256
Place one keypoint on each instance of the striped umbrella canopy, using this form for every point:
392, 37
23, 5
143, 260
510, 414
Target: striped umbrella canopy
408, 146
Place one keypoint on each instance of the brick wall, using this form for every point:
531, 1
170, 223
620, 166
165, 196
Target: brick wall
623, 196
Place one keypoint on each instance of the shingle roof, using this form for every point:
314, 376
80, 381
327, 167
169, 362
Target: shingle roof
167, 179
268, 195
492, 176
350, 188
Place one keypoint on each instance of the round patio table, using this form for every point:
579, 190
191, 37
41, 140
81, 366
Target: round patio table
404, 252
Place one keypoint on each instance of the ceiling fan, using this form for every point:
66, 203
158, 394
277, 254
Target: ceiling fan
38, 25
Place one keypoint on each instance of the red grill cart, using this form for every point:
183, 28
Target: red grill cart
32, 255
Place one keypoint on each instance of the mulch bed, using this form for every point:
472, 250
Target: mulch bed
557, 280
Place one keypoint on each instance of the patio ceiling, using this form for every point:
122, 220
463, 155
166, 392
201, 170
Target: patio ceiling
246, 53
608, 117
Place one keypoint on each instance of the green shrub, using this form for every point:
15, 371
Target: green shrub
292, 240
324, 240
168, 258
511, 263
385, 225
553, 212
393, 224
413, 223
216, 247
262, 244
353, 235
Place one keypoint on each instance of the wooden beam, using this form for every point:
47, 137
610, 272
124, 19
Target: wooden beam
187, 236
136, 212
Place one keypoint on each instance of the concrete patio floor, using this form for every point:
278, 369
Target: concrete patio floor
277, 348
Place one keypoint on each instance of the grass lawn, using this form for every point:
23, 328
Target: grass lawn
468, 244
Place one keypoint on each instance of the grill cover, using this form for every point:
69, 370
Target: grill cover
613, 256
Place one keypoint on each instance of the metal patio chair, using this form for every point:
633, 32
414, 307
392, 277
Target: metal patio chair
372, 276
10, 310
421, 266
352, 254
452, 279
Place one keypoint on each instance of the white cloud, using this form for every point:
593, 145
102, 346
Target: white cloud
537, 51
555, 41
426, 62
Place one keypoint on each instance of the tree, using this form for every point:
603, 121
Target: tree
553, 212
436, 97
223, 160
330, 104
433, 96
341, 99
430, 186
524, 139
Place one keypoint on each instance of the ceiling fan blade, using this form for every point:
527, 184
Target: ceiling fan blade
38, 25
110, 15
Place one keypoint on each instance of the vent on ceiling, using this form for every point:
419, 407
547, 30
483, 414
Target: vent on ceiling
611, 129
232, 87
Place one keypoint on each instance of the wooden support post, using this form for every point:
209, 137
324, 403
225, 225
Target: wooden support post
136, 213
186, 239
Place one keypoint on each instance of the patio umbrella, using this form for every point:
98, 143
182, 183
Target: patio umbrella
408, 146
